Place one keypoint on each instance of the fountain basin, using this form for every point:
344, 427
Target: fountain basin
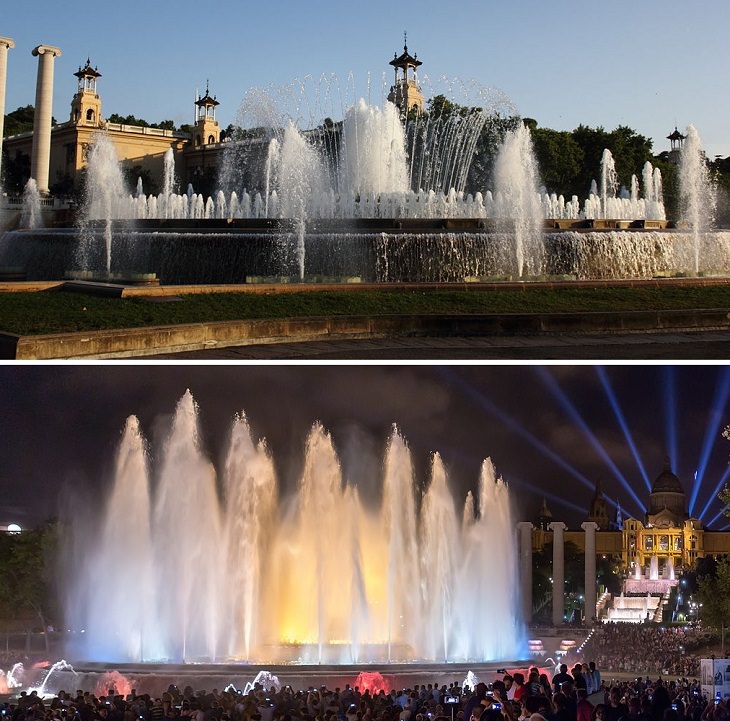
384, 250
155, 678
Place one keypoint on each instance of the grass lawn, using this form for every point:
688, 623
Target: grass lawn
62, 311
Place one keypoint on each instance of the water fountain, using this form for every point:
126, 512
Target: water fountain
327, 575
696, 191
30, 216
654, 568
370, 199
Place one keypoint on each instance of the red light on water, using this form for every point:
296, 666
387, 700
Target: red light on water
372, 681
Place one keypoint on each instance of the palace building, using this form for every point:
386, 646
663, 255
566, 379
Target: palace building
651, 550
55, 154
137, 147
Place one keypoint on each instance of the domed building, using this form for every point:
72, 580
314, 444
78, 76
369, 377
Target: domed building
666, 501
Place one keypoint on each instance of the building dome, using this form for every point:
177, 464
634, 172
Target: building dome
666, 500
666, 481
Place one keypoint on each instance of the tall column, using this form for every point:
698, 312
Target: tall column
525, 535
590, 571
40, 159
5, 45
558, 529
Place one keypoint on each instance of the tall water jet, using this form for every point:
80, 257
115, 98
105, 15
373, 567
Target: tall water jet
697, 194
518, 201
190, 562
609, 184
30, 216
374, 161
249, 485
297, 177
654, 568
237, 570
107, 197
168, 185
116, 627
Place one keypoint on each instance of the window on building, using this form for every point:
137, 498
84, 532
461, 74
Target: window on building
649, 543
663, 543
678, 543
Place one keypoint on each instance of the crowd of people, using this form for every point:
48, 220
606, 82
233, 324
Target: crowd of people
642, 649
576, 694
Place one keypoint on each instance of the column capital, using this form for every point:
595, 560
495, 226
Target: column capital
7, 42
556, 526
589, 526
47, 49
524, 524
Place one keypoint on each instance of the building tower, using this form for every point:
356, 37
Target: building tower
86, 104
676, 140
598, 511
207, 130
405, 94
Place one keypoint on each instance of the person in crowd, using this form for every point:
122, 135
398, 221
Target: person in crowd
561, 677
584, 708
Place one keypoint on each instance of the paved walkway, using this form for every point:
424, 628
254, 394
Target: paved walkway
694, 345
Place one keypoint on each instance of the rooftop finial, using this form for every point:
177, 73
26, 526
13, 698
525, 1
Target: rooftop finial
405, 40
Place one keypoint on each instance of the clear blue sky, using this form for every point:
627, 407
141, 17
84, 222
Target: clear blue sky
647, 64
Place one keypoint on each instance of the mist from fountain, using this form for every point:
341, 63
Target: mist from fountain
219, 565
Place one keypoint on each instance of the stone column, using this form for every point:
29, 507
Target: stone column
5, 45
40, 159
590, 571
558, 529
525, 535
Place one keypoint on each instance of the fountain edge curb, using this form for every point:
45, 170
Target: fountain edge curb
152, 340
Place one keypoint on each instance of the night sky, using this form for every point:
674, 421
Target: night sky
552, 432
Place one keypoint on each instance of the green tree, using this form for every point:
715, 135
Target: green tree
560, 159
19, 121
26, 588
127, 120
629, 150
15, 172
165, 125
714, 595
670, 184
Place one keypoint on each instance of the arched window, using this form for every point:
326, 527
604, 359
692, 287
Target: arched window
211, 139
90, 115
197, 140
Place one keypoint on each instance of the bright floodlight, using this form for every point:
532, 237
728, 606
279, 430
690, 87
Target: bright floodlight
14, 528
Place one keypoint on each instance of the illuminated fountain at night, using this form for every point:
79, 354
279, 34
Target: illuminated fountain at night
214, 565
